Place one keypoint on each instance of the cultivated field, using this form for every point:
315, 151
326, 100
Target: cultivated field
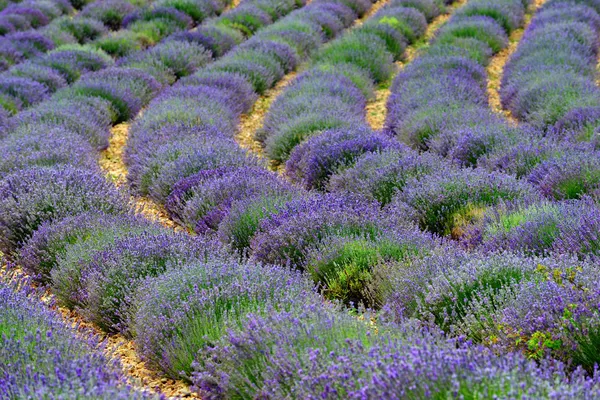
299, 199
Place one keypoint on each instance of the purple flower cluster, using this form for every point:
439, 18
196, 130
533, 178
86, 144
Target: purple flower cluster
33, 196
285, 236
316, 353
315, 160
42, 358
380, 175
201, 201
541, 228
31, 14
550, 79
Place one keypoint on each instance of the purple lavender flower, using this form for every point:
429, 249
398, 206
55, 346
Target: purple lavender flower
314, 161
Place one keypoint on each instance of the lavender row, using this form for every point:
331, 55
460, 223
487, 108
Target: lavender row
85, 26
325, 106
42, 359
550, 80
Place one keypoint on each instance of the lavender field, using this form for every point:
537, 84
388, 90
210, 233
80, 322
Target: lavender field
299, 199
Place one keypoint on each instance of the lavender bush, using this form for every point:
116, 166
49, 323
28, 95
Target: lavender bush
31, 197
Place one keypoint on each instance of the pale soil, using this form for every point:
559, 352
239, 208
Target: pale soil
252, 121
495, 68
111, 162
376, 109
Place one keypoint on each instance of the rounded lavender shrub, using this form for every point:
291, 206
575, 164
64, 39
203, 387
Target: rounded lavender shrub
199, 107
284, 237
379, 175
429, 8
128, 90
42, 358
520, 158
89, 117
321, 353
482, 28
154, 173
187, 309
113, 273
314, 161
394, 40
261, 70
540, 306
216, 38
342, 266
31, 197
39, 254
45, 147
68, 275
30, 43
568, 176
363, 49
578, 125
26, 90
180, 58
44, 75
568, 227
231, 83
408, 21
202, 206
72, 61
224, 369
474, 49
83, 29
509, 14
446, 204
245, 216
465, 145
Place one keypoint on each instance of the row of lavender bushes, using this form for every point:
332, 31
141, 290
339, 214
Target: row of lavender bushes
32, 14
550, 81
43, 359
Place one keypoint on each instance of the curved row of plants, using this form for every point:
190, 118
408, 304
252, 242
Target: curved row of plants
333, 93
